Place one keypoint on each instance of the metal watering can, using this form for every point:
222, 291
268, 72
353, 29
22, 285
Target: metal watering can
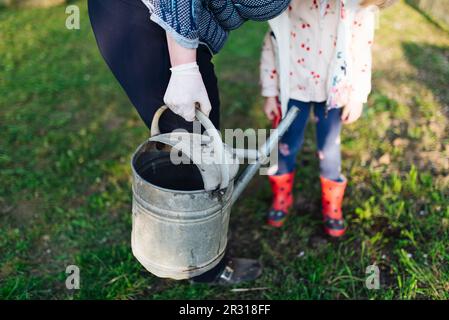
180, 212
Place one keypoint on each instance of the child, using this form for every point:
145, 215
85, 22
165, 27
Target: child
317, 55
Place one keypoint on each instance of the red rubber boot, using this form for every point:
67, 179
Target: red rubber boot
282, 187
332, 193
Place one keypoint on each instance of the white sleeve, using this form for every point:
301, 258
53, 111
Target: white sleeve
268, 73
363, 38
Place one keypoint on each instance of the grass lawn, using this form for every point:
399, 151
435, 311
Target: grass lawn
67, 132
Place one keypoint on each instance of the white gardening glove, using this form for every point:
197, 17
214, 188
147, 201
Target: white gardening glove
185, 90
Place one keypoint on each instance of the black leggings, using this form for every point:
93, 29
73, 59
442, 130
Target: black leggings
135, 49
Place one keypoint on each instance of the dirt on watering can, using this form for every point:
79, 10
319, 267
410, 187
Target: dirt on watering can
181, 211
179, 229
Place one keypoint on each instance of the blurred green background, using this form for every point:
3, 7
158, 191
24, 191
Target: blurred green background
67, 131
435, 10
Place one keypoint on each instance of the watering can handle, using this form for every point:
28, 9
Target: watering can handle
218, 146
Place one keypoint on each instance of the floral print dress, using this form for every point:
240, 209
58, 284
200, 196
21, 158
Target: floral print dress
322, 66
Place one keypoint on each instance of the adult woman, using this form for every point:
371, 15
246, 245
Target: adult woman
168, 60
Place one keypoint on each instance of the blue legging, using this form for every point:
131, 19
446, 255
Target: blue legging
327, 134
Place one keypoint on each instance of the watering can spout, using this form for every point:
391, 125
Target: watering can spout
264, 153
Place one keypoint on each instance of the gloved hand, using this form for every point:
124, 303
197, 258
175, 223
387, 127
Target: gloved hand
186, 89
